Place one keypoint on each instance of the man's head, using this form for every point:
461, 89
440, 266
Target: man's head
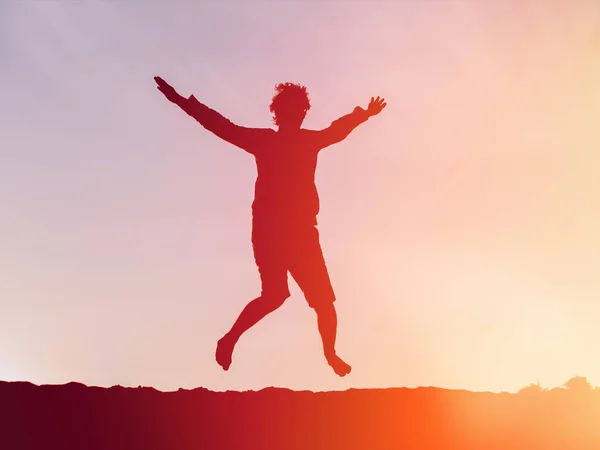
289, 105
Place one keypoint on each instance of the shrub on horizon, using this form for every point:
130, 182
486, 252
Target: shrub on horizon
578, 384
533, 388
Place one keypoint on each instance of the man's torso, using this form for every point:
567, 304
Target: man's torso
285, 193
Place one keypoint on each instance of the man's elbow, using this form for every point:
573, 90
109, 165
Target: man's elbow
340, 134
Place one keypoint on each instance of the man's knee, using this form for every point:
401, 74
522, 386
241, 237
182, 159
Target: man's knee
272, 301
321, 302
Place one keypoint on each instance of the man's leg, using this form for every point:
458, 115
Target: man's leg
310, 272
250, 316
270, 259
327, 322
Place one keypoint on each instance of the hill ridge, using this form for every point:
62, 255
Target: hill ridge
77, 416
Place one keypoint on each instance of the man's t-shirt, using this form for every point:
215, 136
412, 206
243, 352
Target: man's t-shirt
285, 193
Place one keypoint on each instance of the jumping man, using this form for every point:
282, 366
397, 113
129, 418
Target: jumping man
284, 212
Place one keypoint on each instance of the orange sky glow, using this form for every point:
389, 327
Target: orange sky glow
461, 226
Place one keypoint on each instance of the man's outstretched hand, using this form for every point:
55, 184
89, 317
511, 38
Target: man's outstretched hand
166, 89
375, 106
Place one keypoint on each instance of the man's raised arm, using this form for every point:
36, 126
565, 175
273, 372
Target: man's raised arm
245, 138
342, 127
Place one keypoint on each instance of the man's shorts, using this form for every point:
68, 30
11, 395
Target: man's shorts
298, 251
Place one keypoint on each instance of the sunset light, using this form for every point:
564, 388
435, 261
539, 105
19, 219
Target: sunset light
461, 226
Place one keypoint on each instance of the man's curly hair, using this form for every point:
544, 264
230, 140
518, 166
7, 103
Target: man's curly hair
288, 97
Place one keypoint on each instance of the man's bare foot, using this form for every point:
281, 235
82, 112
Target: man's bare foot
224, 351
338, 365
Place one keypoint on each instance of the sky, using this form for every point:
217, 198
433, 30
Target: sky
460, 226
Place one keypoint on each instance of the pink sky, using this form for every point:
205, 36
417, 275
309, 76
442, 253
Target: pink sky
461, 226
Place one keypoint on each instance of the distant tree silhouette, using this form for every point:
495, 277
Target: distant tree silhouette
578, 384
532, 389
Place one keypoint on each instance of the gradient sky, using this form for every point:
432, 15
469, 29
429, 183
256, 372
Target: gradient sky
461, 226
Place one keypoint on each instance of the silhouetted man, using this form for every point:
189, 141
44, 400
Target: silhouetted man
285, 207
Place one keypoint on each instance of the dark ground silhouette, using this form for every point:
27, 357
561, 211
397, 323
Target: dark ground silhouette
285, 237
74, 416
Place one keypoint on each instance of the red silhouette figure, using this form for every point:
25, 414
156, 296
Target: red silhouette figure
284, 233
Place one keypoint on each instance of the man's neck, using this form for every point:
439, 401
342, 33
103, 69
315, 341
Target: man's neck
288, 130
